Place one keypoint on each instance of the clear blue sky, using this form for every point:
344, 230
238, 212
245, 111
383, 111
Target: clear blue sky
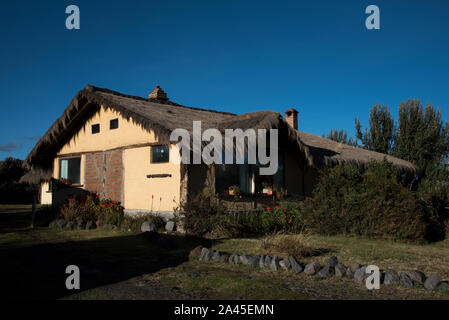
238, 56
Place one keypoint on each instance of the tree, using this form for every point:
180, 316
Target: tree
380, 135
11, 190
421, 137
340, 136
11, 170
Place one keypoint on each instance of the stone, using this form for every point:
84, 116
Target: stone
147, 226
224, 257
70, 225
416, 276
231, 258
253, 261
432, 282
80, 225
207, 255
90, 225
267, 262
60, 223
340, 270
236, 259
110, 227
284, 264
444, 286
274, 263
295, 265
262, 261
170, 226
312, 268
325, 272
360, 275
350, 271
391, 277
332, 262
405, 280
244, 259
215, 256
203, 253
195, 252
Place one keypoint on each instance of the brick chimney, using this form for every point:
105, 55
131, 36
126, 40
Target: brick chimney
158, 94
292, 118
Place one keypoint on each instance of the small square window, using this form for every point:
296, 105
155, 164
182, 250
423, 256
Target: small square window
95, 128
159, 154
113, 124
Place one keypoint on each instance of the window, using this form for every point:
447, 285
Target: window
159, 154
95, 128
113, 124
70, 169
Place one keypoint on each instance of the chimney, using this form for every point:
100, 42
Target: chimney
292, 118
158, 94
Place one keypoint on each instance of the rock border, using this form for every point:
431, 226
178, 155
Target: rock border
356, 271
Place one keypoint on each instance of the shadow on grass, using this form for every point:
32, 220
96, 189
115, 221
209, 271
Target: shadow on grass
13, 218
320, 251
38, 271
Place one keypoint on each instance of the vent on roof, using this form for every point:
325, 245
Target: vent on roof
158, 94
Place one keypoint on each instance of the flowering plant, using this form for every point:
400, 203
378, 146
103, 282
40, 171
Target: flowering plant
89, 207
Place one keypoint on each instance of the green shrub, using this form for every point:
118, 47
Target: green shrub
199, 216
434, 194
372, 204
284, 217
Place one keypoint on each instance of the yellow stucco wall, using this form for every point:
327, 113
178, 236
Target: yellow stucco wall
140, 192
127, 134
156, 194
45, 195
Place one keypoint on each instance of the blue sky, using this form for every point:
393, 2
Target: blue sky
237, 56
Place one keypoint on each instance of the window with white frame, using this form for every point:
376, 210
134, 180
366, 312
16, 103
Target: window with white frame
70, 169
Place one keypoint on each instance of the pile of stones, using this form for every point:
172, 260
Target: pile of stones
89, 225
332, 267
70, 225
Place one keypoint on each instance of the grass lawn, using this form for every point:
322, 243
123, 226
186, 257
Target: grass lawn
123, 265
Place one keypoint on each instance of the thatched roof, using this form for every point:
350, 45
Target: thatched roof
162, 116
328, 152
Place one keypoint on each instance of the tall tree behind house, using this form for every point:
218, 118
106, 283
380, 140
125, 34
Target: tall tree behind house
380, 135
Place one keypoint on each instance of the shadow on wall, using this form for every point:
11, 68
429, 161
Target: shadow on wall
61, 192
38, 271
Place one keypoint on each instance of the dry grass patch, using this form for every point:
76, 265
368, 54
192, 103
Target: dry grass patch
292, 245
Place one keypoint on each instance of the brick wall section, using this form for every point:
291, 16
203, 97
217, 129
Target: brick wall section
104, 174
113, 175
93, 180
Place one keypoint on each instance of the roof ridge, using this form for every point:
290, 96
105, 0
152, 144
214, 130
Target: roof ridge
93, 89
